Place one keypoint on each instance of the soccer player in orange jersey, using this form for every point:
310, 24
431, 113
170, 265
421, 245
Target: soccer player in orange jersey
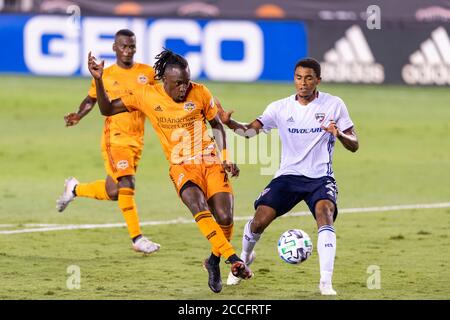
178, 110
122, 140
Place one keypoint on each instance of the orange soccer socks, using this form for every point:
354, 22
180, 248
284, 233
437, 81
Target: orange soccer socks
129, 211
213, 232
94, 190
228, 232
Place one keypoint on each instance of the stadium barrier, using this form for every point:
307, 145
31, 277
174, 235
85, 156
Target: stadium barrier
234, 50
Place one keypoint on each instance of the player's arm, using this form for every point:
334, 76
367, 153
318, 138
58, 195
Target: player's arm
85, 107
347, 137
107, 107
246, 130
221, 141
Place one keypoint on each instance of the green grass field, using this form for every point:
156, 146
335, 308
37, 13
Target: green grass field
404, 159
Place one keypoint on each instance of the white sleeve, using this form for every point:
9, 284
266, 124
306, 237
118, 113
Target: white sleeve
343, 120
269, 118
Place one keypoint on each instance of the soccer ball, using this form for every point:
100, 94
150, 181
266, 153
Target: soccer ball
294, 246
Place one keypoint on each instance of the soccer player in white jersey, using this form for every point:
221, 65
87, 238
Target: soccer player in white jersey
309, 122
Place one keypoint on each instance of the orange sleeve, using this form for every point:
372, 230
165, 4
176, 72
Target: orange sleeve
92, 90
210, 108
133, 99
151, 75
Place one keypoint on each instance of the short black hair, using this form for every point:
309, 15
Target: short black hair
166, 58
309, 63
125, 32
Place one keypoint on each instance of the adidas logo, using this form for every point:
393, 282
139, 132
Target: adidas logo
351, 60
431, 63
291, 119
158, 108
115, 83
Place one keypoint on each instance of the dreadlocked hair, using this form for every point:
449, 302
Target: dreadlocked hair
166, 58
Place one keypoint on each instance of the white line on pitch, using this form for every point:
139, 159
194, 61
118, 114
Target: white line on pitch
56, 227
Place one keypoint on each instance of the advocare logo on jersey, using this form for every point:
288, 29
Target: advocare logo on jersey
431, 63
351, 60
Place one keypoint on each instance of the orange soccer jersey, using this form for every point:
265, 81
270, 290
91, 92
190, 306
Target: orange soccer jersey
181, 128
126, 129
123, 133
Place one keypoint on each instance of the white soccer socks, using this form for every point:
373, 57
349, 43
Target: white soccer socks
326, 247
249, 240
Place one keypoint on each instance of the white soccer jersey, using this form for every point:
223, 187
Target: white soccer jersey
307, 149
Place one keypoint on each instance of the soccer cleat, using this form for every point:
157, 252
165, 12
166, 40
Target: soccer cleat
326, 289
146, 246
232, 280
68, 195
240, 270
214, 279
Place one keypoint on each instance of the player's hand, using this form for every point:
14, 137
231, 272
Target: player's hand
71, 119
96, 69
231, 168
225, 116
332, 128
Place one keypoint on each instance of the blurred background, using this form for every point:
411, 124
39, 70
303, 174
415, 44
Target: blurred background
358, 41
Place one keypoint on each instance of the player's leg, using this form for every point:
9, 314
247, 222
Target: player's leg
277, 198
322, 203
99, 189
326, 244
194, 198
190, 184
73, 188
127, 205
220, 198
221, 206
253, 230
112, 188
122, 164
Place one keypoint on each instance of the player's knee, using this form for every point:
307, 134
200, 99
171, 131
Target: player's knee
112, 191
126, 182
259, 225
224, 217
113, 194
263, 217
325, 211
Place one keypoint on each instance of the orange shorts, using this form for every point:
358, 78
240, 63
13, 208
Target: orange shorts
121, 161
210, 177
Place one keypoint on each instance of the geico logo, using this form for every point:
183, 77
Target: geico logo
353, 72
426, 74
53, 47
